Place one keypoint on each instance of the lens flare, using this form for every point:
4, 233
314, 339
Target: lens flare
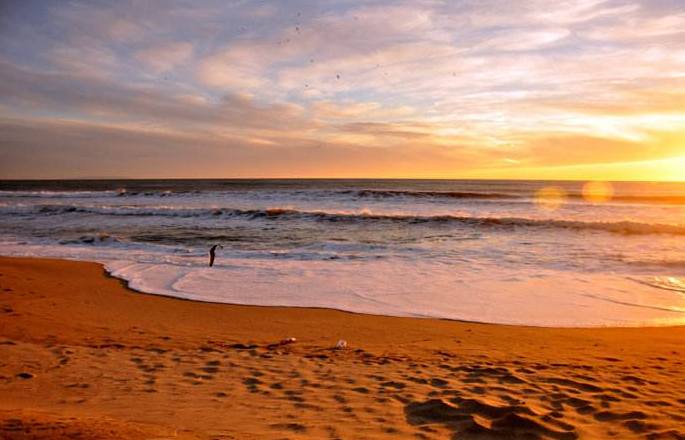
598, 192
550, 198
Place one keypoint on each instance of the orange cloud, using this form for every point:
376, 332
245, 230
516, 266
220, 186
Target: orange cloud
527, 89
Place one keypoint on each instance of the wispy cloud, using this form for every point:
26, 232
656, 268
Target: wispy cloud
165, 57
477, 87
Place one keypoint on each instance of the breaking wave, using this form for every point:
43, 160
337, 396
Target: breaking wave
356, 193
62, 194
666, 283
637, 199
428, 194
284, 214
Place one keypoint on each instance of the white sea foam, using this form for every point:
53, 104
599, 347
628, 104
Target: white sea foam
60, 194
415, 288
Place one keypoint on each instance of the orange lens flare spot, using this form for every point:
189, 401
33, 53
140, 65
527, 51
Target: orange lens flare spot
550, 198
598, 192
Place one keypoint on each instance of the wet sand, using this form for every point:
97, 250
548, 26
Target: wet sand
82, 356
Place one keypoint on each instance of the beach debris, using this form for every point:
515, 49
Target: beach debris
289, 340
340, 344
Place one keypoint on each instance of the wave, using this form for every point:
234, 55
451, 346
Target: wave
165, 193
673, 284
357, 193
122, 210
101, 239
628, 198
62, 194
621, 227
91, 194
647, 199
428, 194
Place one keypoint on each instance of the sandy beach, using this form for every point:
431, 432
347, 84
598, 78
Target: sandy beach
388, 219
82, 356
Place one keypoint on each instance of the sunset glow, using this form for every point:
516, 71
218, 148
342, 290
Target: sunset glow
587, 90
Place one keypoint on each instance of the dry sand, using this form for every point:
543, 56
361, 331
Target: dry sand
82, 356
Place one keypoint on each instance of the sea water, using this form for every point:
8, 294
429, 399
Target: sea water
568, 254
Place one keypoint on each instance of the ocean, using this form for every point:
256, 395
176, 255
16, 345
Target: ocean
540, 253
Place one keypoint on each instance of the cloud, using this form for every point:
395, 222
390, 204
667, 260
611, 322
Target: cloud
382, 130
165, 57
352, 110
525, 40
330, 109
103, 98
61, 149
238, 68
636, 27
488, 83
84, 60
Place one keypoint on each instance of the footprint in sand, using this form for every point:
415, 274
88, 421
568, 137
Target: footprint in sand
394, 384
157, 350
77, 385
580, 386
506, 421
611, 416
418, 380
296, 427
438, 383
252, 384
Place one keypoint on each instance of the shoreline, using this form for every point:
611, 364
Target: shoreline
127, 285
138, 364
676, 321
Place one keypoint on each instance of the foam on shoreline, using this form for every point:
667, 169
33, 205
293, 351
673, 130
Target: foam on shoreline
384, 287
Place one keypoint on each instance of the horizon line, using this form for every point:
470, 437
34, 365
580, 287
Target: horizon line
73, 179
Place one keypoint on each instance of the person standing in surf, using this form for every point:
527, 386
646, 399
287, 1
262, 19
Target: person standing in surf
212, 253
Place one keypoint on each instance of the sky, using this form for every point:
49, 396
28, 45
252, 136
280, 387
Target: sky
526, 89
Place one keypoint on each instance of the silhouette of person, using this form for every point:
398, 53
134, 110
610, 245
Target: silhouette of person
212, 253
